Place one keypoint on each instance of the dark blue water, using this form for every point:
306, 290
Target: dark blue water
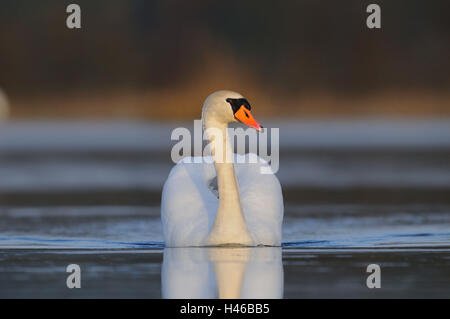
339, 225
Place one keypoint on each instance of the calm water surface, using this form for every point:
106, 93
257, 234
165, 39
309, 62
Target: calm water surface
356, 193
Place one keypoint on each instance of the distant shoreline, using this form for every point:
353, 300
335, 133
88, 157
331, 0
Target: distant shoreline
185, 104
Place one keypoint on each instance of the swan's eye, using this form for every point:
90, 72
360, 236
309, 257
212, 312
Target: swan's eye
237, 103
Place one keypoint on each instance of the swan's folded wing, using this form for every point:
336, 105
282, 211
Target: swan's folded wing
188, 207
262, 202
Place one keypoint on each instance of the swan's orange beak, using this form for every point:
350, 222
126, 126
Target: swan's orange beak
244, 115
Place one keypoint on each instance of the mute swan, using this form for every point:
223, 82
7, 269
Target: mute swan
248, 209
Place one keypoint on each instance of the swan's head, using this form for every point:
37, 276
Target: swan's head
228, 106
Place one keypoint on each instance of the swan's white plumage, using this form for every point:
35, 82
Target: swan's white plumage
189, 207
249, 210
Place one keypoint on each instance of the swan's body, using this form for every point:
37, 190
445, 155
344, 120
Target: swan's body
248, 208
189, 206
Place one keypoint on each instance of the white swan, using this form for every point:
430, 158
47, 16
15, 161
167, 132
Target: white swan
248, 209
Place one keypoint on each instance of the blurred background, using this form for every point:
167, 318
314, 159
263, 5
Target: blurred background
160, 59
91, 110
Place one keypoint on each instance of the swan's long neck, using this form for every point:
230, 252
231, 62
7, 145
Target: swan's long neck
229, 226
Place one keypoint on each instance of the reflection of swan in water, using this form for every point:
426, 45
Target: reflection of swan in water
220, 272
